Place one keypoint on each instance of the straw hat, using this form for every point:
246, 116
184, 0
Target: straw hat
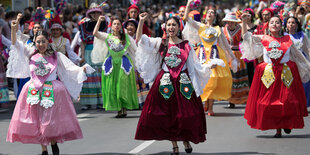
231, 17
93, 8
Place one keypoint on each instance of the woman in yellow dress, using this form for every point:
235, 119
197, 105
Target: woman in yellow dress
216, 48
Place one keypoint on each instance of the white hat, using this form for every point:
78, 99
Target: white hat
231, 17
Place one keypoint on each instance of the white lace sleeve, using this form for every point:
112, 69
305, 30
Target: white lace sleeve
100, 49
72, 56
223, 43
251, 46
132, 49
147, 58
71, 75
190, 31
18, 63
22, 37
302, 63
199, 74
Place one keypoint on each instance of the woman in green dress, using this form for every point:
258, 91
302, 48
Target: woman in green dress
116, 51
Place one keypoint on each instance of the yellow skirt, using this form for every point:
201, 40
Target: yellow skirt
220, 82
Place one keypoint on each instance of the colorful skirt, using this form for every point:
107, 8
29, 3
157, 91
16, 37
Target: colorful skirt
220, 82
4, 91
91, 90
142, 89
33, 124
174, 119
278, 106
120, 89
240, 86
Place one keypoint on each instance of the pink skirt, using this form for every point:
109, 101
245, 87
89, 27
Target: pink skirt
33, 124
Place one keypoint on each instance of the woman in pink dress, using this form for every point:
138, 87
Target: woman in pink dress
44, 112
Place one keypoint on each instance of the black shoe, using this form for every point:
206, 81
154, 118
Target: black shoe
55, 149
44, 153
231, 105
287, 131
124, 115
86, 107
175, 151
278, 135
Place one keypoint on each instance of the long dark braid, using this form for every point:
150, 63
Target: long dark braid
164, 44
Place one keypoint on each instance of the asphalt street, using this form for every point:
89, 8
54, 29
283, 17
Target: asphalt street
228, 134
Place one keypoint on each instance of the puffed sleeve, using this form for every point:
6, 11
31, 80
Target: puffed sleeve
199, 73
223, 43
72, 56
251, 46
132, 49
148, 59
100, 49
306, 47
71, 75
6, 41
301, 62
190, 31
18, 61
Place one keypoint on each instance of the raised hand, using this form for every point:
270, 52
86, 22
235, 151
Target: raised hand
101, 18
190, 1
19, 17
143, 16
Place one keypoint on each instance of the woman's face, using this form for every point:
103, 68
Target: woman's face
249, 17
266, 16
36, 28
131, 28
116, 25
41, 43
172, 28
56, 32
95, 15
291, 25
210, 15
26, 28
275, 25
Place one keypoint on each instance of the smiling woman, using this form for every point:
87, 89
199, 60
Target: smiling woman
45, 101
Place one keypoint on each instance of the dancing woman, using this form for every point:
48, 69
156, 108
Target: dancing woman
173, 109
276, 99
44, 112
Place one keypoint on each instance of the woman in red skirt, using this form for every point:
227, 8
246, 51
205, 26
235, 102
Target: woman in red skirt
173, 109
277, 99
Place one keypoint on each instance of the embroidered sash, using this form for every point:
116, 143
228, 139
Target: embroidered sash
276, 49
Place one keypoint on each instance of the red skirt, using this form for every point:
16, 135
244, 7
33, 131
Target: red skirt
174, 119
278, 106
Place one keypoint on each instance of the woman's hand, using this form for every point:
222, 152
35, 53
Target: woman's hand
213, 66
19, 17
244, 16
189, 2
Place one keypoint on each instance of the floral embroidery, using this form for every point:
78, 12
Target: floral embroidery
47, 93
184, 78
274, 53
165, 79
172, 60
33, 91
298, 45
115, 46
41, 69
211, 34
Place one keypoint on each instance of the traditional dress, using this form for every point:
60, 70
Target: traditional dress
277, 98
91, 92
302, 44
4, 91
118, 76
240, 86
215, 47
62, 45
44, 112
173, 109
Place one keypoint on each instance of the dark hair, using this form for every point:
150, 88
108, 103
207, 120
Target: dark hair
121, 33
50, 50
252, 15
296, 21
217, 20
164, 44
32, 37
281, 30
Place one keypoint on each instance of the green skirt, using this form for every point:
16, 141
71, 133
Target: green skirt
119, 89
